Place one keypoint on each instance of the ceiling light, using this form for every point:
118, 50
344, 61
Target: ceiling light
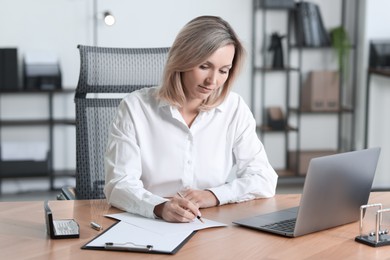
109, 19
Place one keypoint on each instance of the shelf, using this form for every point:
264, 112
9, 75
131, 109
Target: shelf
64, 173
284, 173
300, 159
17, 168
286, 89
269, 69
36, 122
311, 47
330, 47
266, 128
306, 111
26, 168
383, 72
36, 91
259, 5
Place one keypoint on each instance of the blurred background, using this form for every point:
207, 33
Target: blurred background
37, 134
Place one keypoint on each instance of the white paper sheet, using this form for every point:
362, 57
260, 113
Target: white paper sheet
162, 227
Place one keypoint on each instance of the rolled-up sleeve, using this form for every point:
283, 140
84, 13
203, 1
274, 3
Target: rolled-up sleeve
123, 188
256, 178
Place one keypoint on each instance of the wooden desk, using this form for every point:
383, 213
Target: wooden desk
22, 235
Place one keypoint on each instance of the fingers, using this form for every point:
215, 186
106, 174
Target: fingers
184, 207
193, 196
179, 210
201, 198
184, 214
188, 205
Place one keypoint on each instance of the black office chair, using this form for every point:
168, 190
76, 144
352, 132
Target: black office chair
106, 76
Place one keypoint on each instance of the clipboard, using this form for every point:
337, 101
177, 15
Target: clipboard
123, 236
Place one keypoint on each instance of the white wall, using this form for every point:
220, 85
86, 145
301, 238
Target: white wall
59, 26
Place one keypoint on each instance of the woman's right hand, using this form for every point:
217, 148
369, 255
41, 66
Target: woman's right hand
177, 210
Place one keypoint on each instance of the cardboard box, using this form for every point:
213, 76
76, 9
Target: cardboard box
304, 159
321, 91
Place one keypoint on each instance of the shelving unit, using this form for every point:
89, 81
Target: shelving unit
293, 75
378, 72
31, 168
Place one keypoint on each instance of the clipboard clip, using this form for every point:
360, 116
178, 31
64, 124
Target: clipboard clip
128, 246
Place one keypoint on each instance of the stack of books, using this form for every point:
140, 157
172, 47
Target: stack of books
309, 27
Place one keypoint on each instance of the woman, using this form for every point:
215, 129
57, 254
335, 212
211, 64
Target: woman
184, 137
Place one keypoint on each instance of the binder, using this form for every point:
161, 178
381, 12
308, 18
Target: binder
309, 27
315, 29
304, 35
324, 35
123, 236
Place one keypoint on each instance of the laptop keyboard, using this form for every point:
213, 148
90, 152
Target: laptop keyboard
284, 226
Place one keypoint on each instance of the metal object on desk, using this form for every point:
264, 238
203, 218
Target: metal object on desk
99, 208
379, 237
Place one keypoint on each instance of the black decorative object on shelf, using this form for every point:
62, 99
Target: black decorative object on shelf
277, 49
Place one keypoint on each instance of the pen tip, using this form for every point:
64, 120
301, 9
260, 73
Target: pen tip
200, 219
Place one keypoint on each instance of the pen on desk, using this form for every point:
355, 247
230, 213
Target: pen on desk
198, 217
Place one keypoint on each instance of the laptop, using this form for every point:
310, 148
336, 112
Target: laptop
335, 187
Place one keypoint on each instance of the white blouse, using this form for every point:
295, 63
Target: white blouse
152, 154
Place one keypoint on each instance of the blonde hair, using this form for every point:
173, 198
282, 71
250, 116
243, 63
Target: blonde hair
197, 41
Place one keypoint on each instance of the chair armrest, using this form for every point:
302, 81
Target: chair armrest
67, 193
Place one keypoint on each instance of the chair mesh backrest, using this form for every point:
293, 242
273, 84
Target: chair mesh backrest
106, 71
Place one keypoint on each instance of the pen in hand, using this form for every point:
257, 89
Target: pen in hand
198, 217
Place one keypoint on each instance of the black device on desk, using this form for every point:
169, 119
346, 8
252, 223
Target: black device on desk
63, 228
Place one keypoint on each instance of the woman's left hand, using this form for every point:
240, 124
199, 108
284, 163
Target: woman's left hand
202, 198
